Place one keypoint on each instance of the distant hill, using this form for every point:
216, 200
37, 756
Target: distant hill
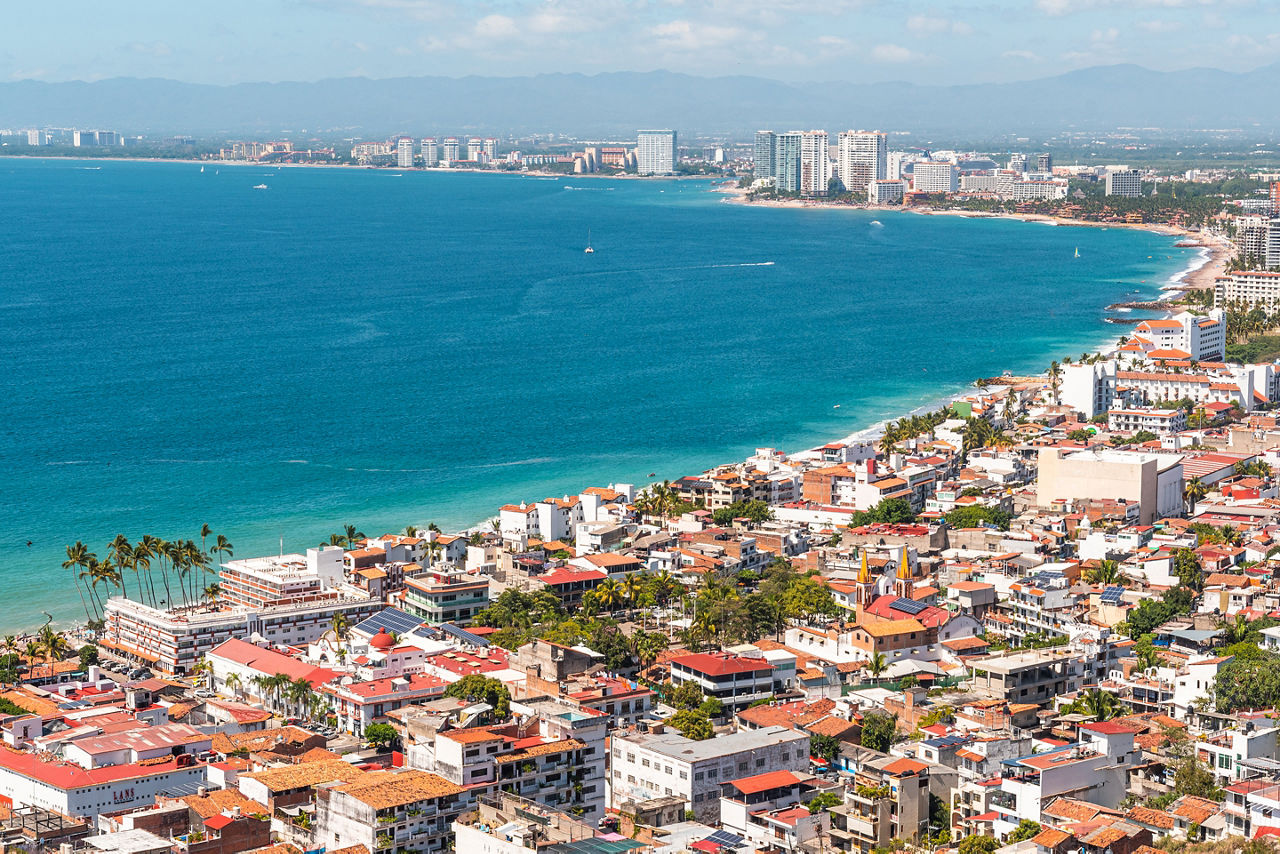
1099, 98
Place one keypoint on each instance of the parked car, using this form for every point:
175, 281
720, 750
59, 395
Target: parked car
205, 694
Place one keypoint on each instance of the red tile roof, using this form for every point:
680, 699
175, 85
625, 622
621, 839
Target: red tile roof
765, 782
720, 663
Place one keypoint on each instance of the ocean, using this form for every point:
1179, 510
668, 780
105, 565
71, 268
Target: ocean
379, 349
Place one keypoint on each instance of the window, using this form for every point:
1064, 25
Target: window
684, 775
644, 762
631, 778
697, 775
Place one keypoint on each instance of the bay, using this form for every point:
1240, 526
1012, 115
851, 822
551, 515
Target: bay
380, 349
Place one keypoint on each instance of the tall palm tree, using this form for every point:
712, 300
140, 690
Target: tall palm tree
341, 626
78, 559
122, 551
205, 531
222, 546
609, 595
143, 552
106, 573
1100, 705
1010, 412
877, 665
211, 592
1194, 492
52, 643
1055, 380
631, 587
234, 682
353, 536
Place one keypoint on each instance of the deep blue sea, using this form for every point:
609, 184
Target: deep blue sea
365, 347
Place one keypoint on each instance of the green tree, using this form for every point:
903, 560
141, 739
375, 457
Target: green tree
823, 801
891, 511
824, 747
979, 845
692, 723
878, 730
380, 734
757, 511
687, 695
977, 515
1026, 829
1186, 567
88, 655
712, 707
477, 688
1248, 681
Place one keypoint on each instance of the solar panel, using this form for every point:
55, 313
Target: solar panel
908, 606
391, 619
1113, 594
463, 635
725, 838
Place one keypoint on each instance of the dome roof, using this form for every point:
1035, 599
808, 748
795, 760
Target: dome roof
382, 641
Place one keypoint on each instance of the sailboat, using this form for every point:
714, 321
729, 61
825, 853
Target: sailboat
589, 250
1077, 251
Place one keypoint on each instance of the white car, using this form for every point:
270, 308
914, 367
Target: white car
205, 694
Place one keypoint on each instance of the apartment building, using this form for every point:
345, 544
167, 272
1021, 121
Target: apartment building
173, 641
290, 579
650, 765
389, 811
1032, 676
1153, 481
445, 596
815, 164
656, 152
736, 681
862, 157
889, 800
929, 177
889, 191
1252, 288
556, 757
1162, 422
1124, 182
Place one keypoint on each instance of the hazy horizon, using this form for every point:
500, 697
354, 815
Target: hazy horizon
867, 41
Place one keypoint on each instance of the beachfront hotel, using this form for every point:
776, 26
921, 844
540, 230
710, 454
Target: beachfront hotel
1252, 288
934, 178
656, 152
862, 157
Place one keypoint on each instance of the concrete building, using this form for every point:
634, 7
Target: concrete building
1273, 244
1044, 163
389, 810
656, 152
446, 595
765, 162
1251, 288
449, 151
1154, 481
862, 157
930, 177
889, 800
1033, 676
430, 151
736, 681
887, 192
644, 766
787, 161
815, 163
1162, 422
404, 152
1195, 337
1125, 182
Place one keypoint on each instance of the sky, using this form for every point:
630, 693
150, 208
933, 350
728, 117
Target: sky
967, 41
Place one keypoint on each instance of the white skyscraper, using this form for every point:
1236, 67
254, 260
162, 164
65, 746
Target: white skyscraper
1124, 182
449, 152
491, 149
815, 163
475, 147
656, 152
430, 154
404, 152
861, 159
930, 177
895, 161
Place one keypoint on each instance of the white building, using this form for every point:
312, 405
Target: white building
1125, 182
430, 152
1162, 422
887, 192
1200, 338
1154, 481
862, 157
929, 177
449, 151
656, 152
644, 766
404, 152
815, 163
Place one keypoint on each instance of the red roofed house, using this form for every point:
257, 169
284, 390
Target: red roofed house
742, 797
736, 681
246, 661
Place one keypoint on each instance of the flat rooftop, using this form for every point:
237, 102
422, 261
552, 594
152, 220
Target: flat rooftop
676, 746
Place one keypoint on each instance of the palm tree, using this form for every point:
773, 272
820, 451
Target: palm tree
609, 595
222, 546
32, 651
1010, 412
706, 626
1100, 705
143, 551
410, 531
1193, 493
103, 573
1055, 380
53, 644
300, 693
205, 531
211, 592
341, 626
78, 558
352, 534
631, 588
877, 665
123, 553
233, 682
1106, 572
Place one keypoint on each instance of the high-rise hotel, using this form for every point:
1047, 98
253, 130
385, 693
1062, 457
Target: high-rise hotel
862, 157
656, 152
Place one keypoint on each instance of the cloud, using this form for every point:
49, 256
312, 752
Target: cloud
926, 25
1104, 37
1020, 54
692, 36
1065, 7
892, 53
496, 28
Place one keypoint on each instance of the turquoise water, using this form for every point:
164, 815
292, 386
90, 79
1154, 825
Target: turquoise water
352, 346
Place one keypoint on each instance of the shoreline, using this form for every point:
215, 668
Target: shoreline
939, 396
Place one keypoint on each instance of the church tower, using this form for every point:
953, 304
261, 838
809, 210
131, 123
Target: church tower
866, 584
902, 585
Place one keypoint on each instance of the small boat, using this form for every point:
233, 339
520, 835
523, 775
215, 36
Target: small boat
201, 170
837, 406
589, 250
259, 186
877, 223
1077, 251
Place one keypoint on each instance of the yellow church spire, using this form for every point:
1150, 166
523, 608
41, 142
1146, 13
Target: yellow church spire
864, 574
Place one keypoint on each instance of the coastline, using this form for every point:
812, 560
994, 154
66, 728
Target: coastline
928, 397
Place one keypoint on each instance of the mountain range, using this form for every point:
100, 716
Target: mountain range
1093, 99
